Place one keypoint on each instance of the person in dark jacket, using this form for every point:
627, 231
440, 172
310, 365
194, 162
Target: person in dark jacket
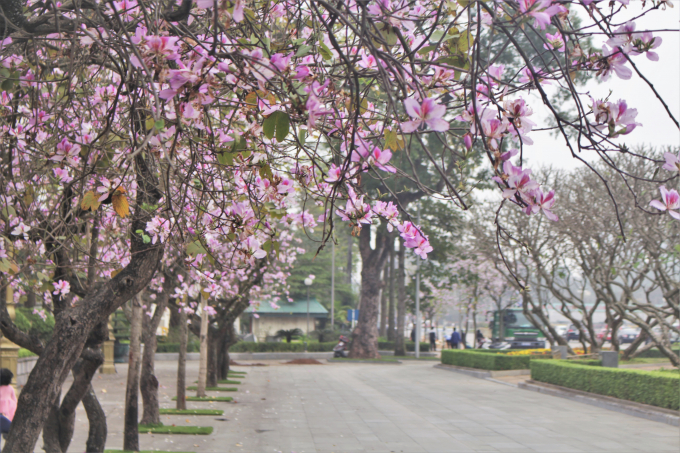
455, 338
413, 334
433, 339
480, 338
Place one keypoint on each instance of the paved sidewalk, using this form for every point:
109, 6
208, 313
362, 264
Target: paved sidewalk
374, 408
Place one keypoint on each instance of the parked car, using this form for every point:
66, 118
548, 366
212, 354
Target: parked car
604, 334
561, 329
628, 335
572, 334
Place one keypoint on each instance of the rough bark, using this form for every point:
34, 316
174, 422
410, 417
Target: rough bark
182, 361
96, 437
131, 431
632, 350
399, 347
390, 275
383, 306
73, 326
364, 342
58, 430
148, 384
214, 341
203, 362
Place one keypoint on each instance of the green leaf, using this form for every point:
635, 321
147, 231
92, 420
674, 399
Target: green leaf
160, 124
150, 122
4, 73
7, 85
282, 126
325, 52
302, 51
302, 136
225, 158
269, 125
267, 246
196, 248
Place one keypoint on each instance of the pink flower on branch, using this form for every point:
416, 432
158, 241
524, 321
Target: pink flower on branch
61, 287
672, 162
670, 201
429, 112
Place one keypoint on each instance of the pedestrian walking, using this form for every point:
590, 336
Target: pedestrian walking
447, 338
433, 339
455, 338
413, 334
8, 400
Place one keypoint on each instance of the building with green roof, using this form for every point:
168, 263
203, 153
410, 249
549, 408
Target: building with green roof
289, 315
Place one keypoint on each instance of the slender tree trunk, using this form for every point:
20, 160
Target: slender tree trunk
213, 345
383, 305
96, 436
350, 241
203, 363
399, 346
182, 360
631, 351
474, 326
390, 312
131, 432
148, 384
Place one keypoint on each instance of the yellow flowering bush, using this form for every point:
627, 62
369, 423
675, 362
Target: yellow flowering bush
529, 352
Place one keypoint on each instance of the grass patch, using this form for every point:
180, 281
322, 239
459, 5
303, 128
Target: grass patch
169, 429
191, 412
214, 389
229, 381
222, 399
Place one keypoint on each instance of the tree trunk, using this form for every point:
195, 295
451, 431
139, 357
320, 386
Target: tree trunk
73, 326
203, 363
131, 431
213, 346
399, 342
182, 361
230, 339
96, 437
365, 336
631, 351
390, 275
148, 384
474, 326
350, 242
58, 430
383, 305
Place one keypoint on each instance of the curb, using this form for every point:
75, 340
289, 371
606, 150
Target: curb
369, 362
657, 414
485, 374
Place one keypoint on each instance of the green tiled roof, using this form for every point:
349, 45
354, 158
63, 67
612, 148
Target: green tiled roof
298, 307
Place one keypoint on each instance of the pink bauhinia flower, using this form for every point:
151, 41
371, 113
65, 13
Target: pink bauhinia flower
554, 42
670, 201
538, 201
315, 109
540, 10
61, 287
429, 112
334, 173
645, 42
672, 162
615, 62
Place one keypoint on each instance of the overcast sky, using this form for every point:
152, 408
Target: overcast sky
657, 128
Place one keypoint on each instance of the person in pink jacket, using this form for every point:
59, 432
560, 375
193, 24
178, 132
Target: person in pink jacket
8, 400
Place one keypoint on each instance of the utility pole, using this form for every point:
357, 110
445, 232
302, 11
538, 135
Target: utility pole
418, 334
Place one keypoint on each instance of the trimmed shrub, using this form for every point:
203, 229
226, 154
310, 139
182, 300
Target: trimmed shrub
193, 346
410, 346
282, 347
23, 353
656, 354
648, 387
472, 358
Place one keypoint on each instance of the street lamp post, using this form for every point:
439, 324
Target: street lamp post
308, 283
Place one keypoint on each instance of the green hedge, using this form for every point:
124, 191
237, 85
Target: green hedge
193, 346
586, 362
482, 360
410, 346
647, 387
282, 347
656, 354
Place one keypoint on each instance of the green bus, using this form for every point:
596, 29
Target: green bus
515, 329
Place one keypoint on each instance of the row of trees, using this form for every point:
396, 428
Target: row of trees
137, 140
